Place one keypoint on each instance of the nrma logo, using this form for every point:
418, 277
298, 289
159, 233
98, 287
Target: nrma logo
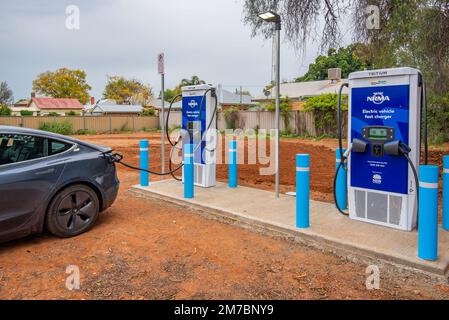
378, 98
192, 104
377, 179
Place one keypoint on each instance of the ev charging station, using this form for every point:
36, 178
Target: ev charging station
199, 105
384, 112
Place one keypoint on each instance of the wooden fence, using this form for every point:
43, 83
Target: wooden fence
301, 123
94, 124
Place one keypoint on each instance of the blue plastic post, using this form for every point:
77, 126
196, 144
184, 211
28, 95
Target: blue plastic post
428, 213
446, 193
302, 191
144, 176
342, 183
233, 164
188, 171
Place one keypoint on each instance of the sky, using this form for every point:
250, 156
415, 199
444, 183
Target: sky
123, 37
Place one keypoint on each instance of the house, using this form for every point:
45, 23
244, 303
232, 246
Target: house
111, 108
298, 92
228, 99
46, 106
20, 105
156, 104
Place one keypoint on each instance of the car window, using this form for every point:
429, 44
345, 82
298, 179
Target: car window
16, 148
58, 147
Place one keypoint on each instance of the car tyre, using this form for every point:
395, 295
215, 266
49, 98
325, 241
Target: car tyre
74, 210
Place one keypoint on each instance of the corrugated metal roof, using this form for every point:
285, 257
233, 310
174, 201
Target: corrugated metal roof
228, 97
57, 103
306, 89
117, 108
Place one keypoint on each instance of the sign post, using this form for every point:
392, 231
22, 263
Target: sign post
160, 63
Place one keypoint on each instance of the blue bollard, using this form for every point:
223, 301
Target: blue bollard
188, 171
144, 176
446, 193
233, 164
342, 183
428, 213
302, 191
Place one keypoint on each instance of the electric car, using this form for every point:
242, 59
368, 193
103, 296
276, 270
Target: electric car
53, 182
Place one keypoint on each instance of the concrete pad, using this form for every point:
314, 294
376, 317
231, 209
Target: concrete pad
261, 210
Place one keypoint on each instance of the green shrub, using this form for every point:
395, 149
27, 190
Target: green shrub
64, 127
72, 113
231, 117
284, 110
26, 113
85, 132
148, 113
438, 119
53, 114
324, 108
5, 110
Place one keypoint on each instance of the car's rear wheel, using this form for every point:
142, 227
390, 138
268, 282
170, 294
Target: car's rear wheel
73, 211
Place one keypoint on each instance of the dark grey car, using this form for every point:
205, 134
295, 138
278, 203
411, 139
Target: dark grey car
52, 181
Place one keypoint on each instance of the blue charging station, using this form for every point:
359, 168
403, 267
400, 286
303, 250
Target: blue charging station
199, 104
384, 116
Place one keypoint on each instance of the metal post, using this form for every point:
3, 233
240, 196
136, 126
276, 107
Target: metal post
278, 93
144, 176
302, 191
233, 164
189, 190
428, 213
163, 123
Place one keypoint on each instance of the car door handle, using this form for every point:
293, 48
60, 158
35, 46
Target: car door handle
48, 171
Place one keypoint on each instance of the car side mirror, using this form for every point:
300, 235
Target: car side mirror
76, 148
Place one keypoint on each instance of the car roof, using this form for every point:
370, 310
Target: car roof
50, 135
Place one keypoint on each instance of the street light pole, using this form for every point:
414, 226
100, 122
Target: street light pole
271, 16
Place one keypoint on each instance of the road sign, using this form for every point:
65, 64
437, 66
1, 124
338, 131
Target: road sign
160, 63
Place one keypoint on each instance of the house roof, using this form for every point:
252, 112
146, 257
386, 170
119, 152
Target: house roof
228, 97
116, 108
306, 89
57, 103
176, 105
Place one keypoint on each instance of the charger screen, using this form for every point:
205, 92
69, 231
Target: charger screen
378, 134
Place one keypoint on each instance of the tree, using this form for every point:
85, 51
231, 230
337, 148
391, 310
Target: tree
349, 59
193, 81
6, 95
411, 32
63, 83
5, 110
169, 94
127, 91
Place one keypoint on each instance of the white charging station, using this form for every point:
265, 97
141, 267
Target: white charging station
199, 104
384, 106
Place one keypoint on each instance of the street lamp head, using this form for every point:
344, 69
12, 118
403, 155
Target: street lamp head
270, 16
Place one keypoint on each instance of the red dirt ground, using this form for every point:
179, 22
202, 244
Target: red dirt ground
145, 249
